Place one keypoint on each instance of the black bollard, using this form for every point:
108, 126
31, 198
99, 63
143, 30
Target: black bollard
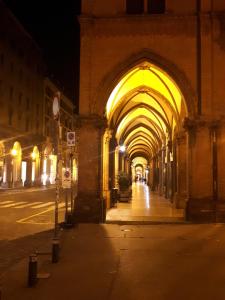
32, 270
55, 250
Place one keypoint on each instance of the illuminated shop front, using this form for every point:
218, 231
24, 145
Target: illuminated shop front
16, 154
35, 168
49, 167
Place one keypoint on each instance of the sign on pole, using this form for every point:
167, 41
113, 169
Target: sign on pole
71, 138
66, 179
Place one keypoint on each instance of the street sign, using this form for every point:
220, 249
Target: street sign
71, 138
66, 179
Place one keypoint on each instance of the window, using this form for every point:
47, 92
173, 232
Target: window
20, 99
11, 67
11, 93
28, 104
10, 114
20, 75
2, 59
135, 6
37, 109
145, 6
19, 115
156, 6
37, 125
27, 124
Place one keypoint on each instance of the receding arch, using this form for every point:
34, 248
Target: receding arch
145, 111
114, 76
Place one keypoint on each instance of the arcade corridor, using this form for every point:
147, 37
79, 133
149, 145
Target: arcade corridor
145, 206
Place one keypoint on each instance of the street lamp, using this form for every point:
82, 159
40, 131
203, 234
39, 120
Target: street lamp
122, 148
14, 152
56, 115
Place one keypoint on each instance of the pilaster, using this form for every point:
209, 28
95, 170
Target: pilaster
89, 203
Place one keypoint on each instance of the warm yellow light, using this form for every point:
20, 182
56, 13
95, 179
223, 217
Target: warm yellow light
122, 148
150, 78
138, 113
145, 106
14, 152
33, 155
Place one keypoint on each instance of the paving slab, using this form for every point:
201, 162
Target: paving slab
130, 262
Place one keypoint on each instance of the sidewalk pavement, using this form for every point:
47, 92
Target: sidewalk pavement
130, 262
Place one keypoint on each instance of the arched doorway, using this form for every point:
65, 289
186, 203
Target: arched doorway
49, 166
35, 170
16, 153
144, 114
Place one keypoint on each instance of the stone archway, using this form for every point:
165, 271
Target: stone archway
99, 153
145, 110
111, 79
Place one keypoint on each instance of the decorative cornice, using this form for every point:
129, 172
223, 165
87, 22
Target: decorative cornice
142, 25
194, 124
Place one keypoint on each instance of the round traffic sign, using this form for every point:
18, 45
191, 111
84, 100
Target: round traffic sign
67, 174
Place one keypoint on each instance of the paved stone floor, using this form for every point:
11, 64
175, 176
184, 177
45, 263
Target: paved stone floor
129, 262
145, 206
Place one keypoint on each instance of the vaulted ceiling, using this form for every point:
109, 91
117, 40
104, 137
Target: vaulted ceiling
144, 110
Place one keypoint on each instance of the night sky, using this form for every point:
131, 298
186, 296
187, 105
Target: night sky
54, 26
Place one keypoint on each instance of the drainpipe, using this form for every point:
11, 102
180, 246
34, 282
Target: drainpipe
199, 56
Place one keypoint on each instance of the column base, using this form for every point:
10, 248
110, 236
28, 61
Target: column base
89, 209
6, 185
180, 201
220, 211
27, 183
201, 210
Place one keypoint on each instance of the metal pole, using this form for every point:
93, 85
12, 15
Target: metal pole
57, 181
71, 177
66, 205
56, 113
32, 270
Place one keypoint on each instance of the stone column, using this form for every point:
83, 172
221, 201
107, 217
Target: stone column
200, 205
105, 167
28, 181
160, 172
180, 196
116, 166
89, 203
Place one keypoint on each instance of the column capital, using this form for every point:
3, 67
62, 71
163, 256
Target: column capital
201, 122
95, 121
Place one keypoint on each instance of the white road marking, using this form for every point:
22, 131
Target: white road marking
26, 220
51, 207
43, 205
27, 204
5, 202
12, 204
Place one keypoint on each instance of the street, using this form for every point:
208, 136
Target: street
26, 223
